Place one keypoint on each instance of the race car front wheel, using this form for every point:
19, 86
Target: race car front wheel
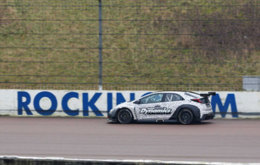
185, 116
124, 116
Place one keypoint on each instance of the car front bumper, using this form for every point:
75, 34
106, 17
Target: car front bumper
111, 118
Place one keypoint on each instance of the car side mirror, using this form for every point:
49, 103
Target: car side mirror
137, 102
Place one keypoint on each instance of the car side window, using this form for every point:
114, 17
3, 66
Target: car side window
172, 97
156, 98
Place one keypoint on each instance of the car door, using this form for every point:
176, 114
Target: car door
172, 101
152, 107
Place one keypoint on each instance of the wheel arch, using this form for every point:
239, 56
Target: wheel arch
195, 111
133, 114
123, 119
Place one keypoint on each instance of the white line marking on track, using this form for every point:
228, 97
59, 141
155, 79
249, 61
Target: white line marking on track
124, 161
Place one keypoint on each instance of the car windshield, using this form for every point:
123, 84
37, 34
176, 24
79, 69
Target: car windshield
155, 98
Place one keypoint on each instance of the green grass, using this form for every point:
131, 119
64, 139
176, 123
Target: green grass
40, 51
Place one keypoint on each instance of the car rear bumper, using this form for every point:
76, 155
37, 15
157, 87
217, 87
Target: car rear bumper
208, 116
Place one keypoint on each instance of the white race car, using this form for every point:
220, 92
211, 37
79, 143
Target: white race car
184, 107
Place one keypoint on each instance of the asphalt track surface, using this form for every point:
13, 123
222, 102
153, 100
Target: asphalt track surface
214, 141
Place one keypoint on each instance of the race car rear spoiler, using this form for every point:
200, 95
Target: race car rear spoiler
208, 94
204, 94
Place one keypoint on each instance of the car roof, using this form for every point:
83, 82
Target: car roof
178, 92
182, 93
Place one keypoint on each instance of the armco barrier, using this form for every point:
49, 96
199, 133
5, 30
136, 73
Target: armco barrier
98, 103
61, 161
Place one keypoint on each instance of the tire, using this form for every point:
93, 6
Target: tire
124, 116
185, 117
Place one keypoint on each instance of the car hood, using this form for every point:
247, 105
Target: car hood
125, 104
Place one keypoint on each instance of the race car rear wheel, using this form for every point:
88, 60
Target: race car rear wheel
124, 116
185, 116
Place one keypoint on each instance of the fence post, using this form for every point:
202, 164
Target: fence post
100, 47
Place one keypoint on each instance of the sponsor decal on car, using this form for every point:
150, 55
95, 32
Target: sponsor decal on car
155, 111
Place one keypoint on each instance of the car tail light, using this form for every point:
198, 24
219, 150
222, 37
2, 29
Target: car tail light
197, 100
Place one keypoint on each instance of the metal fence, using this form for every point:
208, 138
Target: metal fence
144, 44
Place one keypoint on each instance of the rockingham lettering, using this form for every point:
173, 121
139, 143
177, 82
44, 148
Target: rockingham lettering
230, 100
73, 103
